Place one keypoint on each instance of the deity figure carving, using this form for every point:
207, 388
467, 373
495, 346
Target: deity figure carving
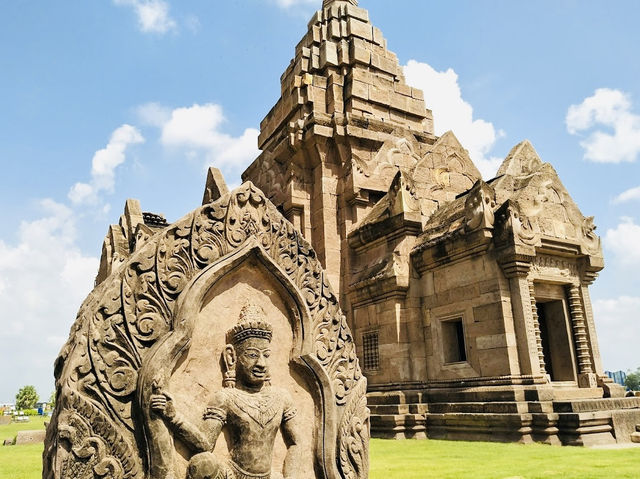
248, 408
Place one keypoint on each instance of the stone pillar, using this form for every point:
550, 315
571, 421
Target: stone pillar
536, 325
517, 271
324, 214
586, 377
587, 281
295, 215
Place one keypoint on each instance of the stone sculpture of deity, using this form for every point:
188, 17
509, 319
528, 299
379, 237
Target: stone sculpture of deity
248, 408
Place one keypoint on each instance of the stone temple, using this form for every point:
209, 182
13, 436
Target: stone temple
389, 286
468, 299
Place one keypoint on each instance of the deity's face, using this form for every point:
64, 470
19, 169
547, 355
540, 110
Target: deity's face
252, 366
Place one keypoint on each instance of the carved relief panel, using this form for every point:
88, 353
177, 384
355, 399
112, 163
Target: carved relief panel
218, 350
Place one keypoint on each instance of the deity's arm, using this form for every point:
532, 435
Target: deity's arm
192, 435
201, 438
291, 432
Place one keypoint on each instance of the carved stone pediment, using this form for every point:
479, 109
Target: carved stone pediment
151, 334
215, 187
444, 172
395, 154
544, 201
522, 160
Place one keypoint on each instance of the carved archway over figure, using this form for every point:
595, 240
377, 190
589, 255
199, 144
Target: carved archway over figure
137, 327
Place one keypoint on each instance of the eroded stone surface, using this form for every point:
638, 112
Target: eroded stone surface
30, 437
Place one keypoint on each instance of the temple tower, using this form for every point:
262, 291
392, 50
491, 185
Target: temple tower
343, 97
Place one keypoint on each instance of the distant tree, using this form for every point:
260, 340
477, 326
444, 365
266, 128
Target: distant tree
26, 398
633, 380
52, 400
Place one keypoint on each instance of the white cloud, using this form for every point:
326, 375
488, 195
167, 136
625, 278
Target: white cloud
153, 114
452, 112
628, 195
153, 15
104, 164
623, 241
198, 129
45, 278
610, 109
618, 324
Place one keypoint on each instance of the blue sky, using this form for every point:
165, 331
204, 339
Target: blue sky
110, 99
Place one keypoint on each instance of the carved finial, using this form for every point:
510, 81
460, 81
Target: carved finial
252, 323
328, 3
216, 186
479, 206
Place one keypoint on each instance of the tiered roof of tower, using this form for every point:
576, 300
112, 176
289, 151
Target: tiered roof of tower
342, 67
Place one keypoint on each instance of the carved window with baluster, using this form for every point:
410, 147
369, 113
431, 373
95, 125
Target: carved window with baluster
371, 351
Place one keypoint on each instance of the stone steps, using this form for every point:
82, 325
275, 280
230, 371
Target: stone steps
394, 409
463, 407
398, 426
506, 394
592, 405
580, 421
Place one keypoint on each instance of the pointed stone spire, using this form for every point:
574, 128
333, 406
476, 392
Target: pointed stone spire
215, 187
328, 3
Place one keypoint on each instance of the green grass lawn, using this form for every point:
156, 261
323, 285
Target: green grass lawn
453, 460
21, 462
432, 459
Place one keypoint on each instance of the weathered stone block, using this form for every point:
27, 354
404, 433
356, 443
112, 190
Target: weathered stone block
30, 437
329, 54
360, 29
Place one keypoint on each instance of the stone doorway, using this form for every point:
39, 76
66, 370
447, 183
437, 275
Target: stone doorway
557, 340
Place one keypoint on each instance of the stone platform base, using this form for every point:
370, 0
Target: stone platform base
506, 414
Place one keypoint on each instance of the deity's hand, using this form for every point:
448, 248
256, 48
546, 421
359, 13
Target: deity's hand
162, 404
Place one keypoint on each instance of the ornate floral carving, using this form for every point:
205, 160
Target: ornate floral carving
96, 448
551, 266
354, 434
360, 165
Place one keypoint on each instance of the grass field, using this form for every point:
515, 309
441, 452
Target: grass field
21, 462
423, 460
453, 460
